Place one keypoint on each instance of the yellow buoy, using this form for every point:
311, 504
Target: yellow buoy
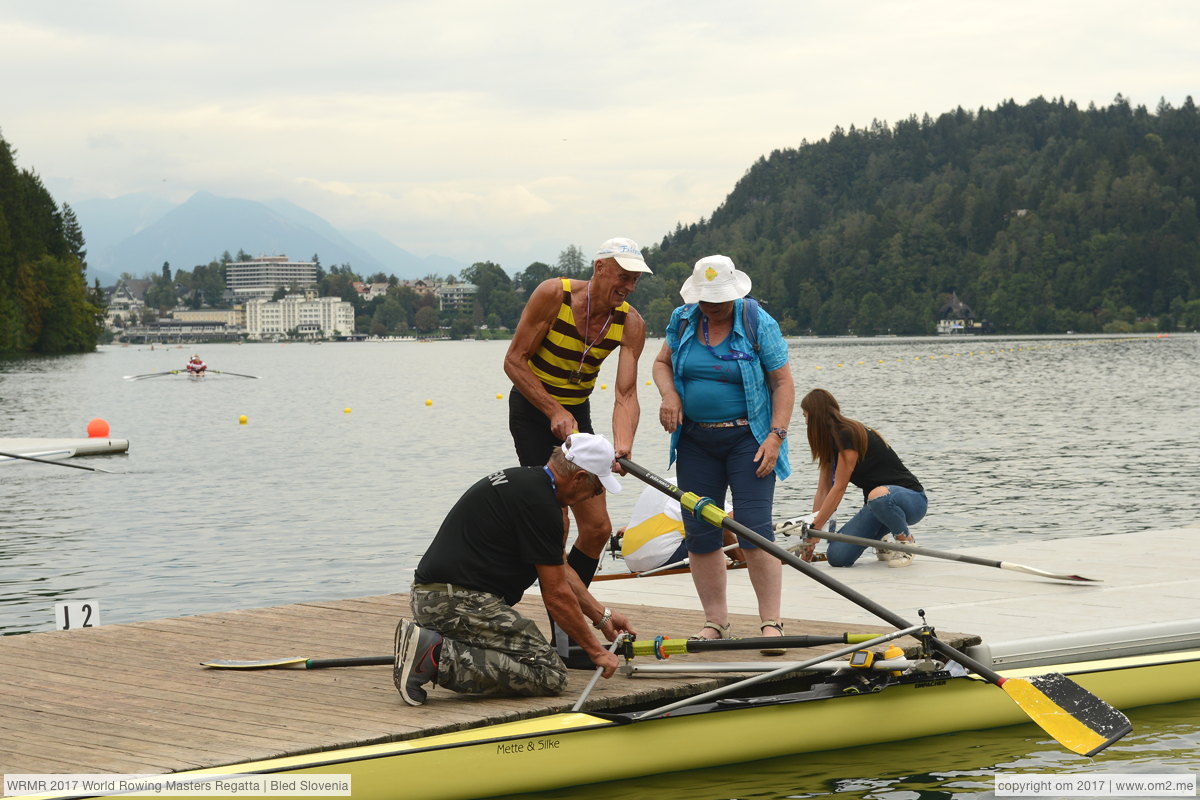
428, 402
499, 396
242, 420
346, 410
604, 386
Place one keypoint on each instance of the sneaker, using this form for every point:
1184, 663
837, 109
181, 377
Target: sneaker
415, 663
893, 557
886, 555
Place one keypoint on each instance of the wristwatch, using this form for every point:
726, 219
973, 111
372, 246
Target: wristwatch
780, 432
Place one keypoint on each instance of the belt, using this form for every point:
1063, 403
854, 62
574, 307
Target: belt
448, 588
733, 423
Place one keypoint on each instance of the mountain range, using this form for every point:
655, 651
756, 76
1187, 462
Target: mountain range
136, 233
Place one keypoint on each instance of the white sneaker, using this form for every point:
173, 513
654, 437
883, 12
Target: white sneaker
886, 555
892, 557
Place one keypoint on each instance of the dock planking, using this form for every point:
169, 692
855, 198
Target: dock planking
132, 698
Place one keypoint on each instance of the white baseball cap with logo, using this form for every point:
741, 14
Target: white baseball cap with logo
593, 454
626, 252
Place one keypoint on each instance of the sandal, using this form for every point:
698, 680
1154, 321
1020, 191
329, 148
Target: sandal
777, 625
722, 632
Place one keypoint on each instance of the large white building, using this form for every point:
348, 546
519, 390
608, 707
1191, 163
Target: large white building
309, 316
260, 277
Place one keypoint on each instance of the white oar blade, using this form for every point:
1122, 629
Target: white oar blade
277, 663
1042, 573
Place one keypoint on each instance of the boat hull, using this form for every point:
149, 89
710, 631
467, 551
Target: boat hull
569, 749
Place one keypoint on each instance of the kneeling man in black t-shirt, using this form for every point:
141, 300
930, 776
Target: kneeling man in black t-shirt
501, 536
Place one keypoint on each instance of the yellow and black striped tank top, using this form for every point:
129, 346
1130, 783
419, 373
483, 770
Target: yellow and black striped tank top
567, 372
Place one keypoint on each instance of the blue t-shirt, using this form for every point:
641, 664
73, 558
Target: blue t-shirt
714, 385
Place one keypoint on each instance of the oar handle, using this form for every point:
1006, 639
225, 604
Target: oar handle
710, 512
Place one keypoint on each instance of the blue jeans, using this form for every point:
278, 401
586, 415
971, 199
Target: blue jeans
891, 513
711, 460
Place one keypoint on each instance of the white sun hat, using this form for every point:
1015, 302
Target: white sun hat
593, 454
626, 252
715, 280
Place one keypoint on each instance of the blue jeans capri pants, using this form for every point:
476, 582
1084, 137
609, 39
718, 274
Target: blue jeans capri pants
710, 461
889, 513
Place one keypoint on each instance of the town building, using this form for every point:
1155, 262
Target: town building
261, 277
458, 298
956, 317
125, 303
306, 316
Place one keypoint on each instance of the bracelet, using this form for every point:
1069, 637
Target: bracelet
780, 432
604, 620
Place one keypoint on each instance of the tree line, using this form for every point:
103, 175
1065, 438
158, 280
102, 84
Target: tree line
1043, 217
45, 303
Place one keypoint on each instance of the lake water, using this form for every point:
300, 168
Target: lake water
352, 453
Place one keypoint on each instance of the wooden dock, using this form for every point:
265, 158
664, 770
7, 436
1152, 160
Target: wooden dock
132, 698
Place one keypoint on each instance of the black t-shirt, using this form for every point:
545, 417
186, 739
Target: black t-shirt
495, 534
879, 467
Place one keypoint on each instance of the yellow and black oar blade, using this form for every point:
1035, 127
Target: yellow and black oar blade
1076, 718
1058, 705
300, 662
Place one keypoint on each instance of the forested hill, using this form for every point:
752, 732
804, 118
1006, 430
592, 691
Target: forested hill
45, 305
1043, 217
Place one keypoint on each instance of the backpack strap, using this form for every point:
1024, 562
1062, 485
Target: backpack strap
750, 308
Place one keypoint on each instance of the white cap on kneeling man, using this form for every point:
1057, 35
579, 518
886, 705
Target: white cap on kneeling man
593, 454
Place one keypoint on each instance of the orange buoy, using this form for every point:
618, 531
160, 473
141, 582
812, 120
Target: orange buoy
97, 428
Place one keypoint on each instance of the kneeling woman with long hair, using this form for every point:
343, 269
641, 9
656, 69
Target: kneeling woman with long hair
849, 452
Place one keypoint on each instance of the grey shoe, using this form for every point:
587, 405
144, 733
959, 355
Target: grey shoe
415, 664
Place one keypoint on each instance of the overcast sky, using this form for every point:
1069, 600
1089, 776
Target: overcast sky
507, 131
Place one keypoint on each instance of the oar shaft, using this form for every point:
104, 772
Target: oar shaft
715, 515
356, 661
901, 547
55, 463
781, 670
671, 647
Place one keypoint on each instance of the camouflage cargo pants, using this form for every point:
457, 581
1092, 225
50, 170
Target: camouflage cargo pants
487, 647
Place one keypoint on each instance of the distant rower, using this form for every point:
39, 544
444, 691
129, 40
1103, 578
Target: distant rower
196, 366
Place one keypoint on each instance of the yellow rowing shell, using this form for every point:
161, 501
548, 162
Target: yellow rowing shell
568, 749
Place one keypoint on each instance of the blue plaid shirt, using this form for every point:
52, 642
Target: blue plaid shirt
772, 354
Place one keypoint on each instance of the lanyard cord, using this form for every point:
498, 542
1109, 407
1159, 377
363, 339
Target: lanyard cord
586, 320
734, 355
553, 483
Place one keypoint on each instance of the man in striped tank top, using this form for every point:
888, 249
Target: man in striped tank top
566, 331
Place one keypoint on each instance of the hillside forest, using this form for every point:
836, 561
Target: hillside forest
1042, 218
45, 304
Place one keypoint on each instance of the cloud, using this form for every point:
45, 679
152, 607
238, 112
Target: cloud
507, 132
